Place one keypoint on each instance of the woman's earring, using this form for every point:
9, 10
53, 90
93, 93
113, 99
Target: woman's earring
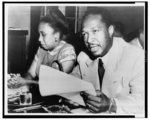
56, 40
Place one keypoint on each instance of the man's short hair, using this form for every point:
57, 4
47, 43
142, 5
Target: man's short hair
105, 14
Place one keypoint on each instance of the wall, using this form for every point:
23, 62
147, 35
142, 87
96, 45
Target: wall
131, 17
19, 17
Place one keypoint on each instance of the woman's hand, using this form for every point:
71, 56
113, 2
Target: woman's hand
22, 81
16, 82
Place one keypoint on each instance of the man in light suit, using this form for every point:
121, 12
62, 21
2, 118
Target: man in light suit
122, 87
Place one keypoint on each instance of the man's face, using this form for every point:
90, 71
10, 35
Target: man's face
96, 35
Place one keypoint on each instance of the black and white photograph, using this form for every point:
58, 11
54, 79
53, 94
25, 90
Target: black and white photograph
75, 59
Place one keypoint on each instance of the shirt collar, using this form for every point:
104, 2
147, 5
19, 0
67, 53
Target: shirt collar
57, 48
104, 58
115, 47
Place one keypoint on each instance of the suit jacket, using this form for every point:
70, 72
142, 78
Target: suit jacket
124, 75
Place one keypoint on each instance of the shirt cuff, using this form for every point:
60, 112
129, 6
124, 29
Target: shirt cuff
112, 106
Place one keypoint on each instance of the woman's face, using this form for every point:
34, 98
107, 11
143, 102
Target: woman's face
48, 38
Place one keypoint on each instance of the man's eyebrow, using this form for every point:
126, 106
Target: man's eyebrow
86, 29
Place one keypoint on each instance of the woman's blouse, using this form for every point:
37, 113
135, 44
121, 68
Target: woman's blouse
62, 53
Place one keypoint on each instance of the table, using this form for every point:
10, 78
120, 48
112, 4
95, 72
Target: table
48, 104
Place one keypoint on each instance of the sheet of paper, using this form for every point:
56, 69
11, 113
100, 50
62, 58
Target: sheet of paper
52, 82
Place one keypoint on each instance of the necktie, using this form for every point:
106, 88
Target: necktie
101, 72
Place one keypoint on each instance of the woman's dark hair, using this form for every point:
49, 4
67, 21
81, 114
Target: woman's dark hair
105, 14
57, 21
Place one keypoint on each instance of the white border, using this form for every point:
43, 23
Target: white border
75, 4
48, 4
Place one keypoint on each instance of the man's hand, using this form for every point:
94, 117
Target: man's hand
96, 104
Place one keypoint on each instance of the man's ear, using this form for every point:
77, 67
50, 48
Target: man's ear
111, 30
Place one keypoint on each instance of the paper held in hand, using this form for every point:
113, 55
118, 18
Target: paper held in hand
54, 82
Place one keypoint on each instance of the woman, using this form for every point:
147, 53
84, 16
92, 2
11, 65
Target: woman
53, 51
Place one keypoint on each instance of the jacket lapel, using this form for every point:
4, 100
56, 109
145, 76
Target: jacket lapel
113, 78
